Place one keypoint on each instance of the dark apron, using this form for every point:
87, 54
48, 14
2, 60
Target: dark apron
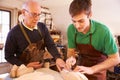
89, 56
34, 52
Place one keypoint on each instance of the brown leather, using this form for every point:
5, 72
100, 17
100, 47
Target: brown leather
33, 52
89, 56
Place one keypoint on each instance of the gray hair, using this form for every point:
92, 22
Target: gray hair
25, 5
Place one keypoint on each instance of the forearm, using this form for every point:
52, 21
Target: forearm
111, 61
54, 52
13, 60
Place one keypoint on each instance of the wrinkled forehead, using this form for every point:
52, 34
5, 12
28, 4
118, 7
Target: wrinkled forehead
34, 9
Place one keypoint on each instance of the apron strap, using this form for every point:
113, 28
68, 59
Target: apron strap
25, 34
41, 35
90, 38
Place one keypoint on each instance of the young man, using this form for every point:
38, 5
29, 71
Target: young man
93, 40
18, 47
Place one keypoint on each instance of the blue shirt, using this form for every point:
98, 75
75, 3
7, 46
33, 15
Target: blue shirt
16, 42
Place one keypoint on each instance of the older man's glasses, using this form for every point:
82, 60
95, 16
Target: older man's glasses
33, 14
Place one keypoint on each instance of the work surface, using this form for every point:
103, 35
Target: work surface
48, 74
45, 73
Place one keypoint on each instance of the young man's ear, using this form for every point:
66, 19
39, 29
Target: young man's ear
90, 14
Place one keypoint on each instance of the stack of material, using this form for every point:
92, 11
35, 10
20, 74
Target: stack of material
48, 74
41, 74
24, 73
17, 71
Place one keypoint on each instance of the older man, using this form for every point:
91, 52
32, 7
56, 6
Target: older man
26, 42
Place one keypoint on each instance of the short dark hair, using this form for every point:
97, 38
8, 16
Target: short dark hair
78, 6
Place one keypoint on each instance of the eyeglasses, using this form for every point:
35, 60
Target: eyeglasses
33, 14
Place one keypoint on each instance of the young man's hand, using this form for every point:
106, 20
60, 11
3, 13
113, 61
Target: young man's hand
70, 62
